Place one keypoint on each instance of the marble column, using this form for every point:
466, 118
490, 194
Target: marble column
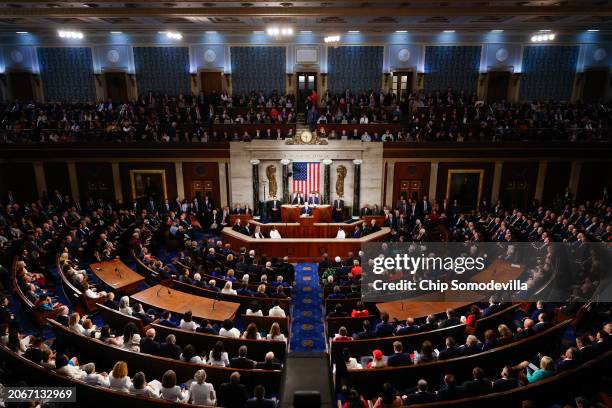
255, 170
180, 184
575, 177
74, 182
117, 182
285, 181
497, 174
356, 186
539, 188
327, 181
41, 182
433, 180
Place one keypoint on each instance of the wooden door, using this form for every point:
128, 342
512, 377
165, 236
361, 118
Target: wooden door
116, 86
402, 83
201, 189
497, 86
21, 86
411, 189
306, 83
212, 82
595, 84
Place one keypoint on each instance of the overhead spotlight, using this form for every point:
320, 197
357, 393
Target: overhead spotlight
551, 37
258, 32
547, 36
21, 32
279, 31
211, 32
174, 35
449, 31
305, 32
77, 35
593, 30
116, 32
330, 39
401, 31
497, 31
354, 32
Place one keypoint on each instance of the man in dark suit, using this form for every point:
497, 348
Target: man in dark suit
338, 206
384, 328
450, 390
569, 359
409, 328
259, 399
479, 384
306, 211
451, 319
170, 349
148, 344
274, 209
233, 394
366, 333
424, 207
526, 331
494, 307
422, 394
450, 351
506, 382
242, 361
313, 199
399, 358
270, 363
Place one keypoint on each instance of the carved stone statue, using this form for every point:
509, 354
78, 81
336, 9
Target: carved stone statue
341, 174
271, 175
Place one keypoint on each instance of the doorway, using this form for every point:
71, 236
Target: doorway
116, 86
307, 82
201, 189
402, 83
595, 81
497, 86
411, 189
21, 85
212, 82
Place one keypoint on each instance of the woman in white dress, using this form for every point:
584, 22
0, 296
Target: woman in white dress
275, 333
202, 393
170, 391
118, 378
218, 356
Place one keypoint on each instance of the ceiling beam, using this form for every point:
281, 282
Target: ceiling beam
306, 11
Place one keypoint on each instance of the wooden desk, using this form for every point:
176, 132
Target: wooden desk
499, 271
307, 249
117, 275
164, 298
244, 218
290, 213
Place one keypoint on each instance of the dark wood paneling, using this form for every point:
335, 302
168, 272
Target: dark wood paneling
21, 85
211, 82
487, 184
557, 179
56, 177
95, 180
594, 176
518, 183
126, 184
116, 86
202, 171
410, 171
20, 179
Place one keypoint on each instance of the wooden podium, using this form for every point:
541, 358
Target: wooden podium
291, 213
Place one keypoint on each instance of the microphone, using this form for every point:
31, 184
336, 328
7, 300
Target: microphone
117, 271
215, 302
159, 290
169, 291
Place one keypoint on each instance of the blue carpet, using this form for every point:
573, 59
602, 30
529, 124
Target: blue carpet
307, 331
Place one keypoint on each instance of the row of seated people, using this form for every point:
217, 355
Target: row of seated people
260, 116
587, 347
255, 99
196, 391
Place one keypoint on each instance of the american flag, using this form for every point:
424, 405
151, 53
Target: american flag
306, 177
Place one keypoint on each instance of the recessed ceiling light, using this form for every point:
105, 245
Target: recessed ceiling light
354, 31
497, 31
593, 30
116, 32
258, 32
306, 32
545, 31
22, 32
211, 32
449, 31
401, 31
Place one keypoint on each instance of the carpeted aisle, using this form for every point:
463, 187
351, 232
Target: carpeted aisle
307, 331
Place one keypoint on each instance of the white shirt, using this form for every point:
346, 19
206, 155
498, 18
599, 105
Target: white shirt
249, 312
145, 392
280, 337
120, 384
276, 311
274, 234
202, 394
341, 234
191, 326
72, 372
233, 333
97, 379
223, 362
173, 394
